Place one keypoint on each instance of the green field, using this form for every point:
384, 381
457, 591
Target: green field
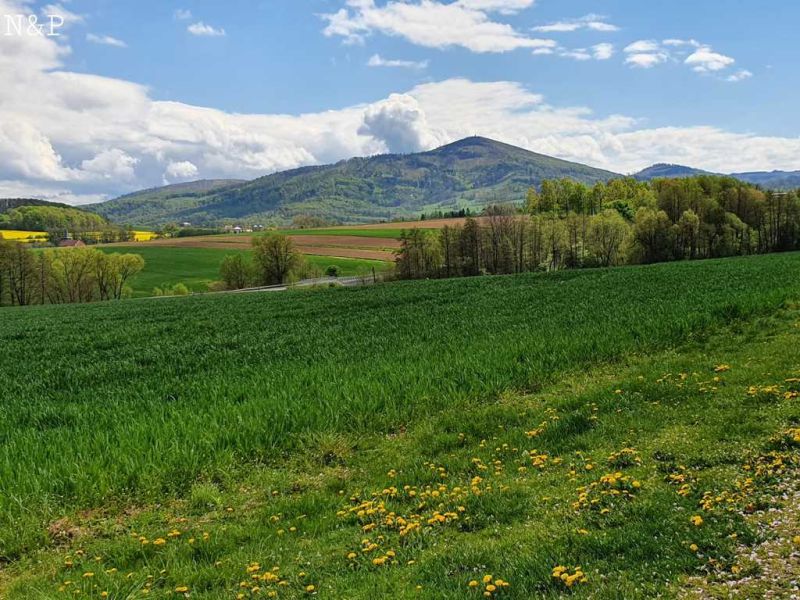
400, 440
197, 267
348, 231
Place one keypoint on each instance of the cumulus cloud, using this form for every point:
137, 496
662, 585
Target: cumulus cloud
589, 22
111, 164
203, 30
182, 14
105, 40
704, 60
434, 24
376, 60
400, 124
180, 171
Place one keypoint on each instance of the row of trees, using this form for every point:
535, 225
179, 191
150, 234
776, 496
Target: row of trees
68, 275
566, 224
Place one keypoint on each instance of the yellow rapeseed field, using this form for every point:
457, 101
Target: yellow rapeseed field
144, 236
23, 236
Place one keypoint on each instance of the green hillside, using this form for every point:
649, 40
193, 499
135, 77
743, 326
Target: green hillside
619, 428
472, 173
141, 208
39, 215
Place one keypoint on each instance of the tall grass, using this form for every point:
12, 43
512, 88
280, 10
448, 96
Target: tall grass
136, 399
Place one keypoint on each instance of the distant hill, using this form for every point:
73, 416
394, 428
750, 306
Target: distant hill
143, 208
776, 180
7, 204
28, 214
773, 180
665, 171
472, 173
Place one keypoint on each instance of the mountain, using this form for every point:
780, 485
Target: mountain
775, 180
139, 208
665, 171
472, 172
771, 180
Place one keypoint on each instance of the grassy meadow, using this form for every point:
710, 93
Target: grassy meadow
391, 234
197, 267
599, 433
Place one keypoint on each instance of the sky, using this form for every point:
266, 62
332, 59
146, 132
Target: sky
103, 97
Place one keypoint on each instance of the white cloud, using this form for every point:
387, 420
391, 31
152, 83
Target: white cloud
643, 46
739, 76
203, 30
58, 10
591, 22
433, 24
180, 171
681, 43
376, 60
399, 123
645, 54
506, 7
603, 51
111, 164
646, 60
704, 60
105, 40
577, 54
182, 14
700, 57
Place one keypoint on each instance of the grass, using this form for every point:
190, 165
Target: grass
348, 231
197, 267
244, 429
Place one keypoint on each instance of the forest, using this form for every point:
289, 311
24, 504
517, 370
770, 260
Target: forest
567, 224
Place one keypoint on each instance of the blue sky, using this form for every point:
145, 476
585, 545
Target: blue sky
136, 94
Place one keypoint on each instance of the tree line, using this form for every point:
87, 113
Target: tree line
67, 275
567, 224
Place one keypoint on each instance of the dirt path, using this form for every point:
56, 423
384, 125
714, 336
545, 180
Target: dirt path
771, 568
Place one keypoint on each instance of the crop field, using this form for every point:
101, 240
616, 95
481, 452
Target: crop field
197, 267
23, 236
595, 434
143, 236
356, 247
379, 230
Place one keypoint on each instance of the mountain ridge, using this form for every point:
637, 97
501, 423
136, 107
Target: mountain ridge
471, 172
776, 180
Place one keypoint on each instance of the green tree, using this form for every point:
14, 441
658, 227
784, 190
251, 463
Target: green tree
276, 259
606, 236
236, 272
652, 236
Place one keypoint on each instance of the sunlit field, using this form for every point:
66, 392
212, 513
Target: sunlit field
198, 267
23, 236
585, 432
